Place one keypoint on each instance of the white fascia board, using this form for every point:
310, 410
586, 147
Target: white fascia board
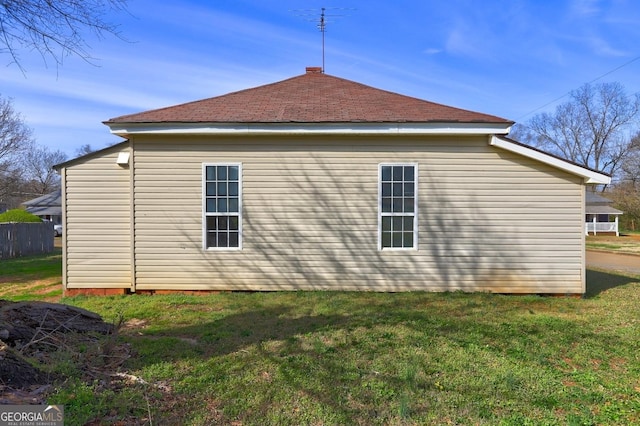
124, 129
588, 175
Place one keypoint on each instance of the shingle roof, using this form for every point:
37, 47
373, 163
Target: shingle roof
313, 97
592, 198
52, 199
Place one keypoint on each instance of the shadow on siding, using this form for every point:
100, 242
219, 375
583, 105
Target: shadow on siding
320, 232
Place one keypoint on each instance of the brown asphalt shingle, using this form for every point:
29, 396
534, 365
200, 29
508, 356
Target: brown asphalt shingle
313, 97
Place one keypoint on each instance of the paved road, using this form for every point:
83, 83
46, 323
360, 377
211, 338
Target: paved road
614, 261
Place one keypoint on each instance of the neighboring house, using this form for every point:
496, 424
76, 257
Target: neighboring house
46, 207
600, 217
320, 183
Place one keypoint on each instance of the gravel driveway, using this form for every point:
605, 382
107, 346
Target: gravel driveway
627, 263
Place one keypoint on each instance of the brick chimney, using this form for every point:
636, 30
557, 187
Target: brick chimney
314, 70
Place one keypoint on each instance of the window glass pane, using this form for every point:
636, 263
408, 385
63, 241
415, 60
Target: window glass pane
211, 172
223, 223
212, 239
386, 189
386, 223
397, 205
223, 241
409, 173
211, 205
386, 239
397, 239
211, 189
233, 173
222, 173
408, 223
397, 173
222, 188
409, 205
222, 205
397, 189
233, 189
386, 205
408, 239
386, 173
234, 238
233, 205
408, 189
211, 223
233, 223
397, 223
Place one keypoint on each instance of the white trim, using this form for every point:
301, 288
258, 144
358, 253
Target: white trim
589, 176
415, 207
204, 207
125, 129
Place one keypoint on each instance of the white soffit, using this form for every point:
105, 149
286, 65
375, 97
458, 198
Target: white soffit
588, 175
123, 129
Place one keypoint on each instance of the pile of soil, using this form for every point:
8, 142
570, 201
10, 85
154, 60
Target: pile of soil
30, 333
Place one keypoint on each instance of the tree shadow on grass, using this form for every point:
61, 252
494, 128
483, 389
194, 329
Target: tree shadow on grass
600, 281
334, 358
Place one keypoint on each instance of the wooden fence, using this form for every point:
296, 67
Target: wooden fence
23, 239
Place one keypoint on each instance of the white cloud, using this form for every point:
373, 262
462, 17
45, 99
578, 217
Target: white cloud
432, 51
603, 48
584, 8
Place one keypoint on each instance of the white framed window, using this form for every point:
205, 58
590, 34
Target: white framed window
222, 206
398, 206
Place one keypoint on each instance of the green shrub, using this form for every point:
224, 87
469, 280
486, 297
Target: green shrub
18, 215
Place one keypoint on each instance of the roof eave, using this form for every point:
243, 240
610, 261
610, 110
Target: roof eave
125, 129
589, 176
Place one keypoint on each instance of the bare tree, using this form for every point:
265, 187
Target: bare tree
15, 135
84, 150
15, 139
630, 167
54, 27
38, 169
11, 185
592, 129
626, 196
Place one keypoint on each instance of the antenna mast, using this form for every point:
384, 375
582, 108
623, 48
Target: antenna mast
322, 22
322, 26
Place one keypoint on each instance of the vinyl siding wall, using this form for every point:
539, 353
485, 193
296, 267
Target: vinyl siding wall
489, 220
97, 231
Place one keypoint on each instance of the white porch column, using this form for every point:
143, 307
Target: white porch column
617, 233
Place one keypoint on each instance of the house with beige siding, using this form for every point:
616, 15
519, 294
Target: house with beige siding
321, 183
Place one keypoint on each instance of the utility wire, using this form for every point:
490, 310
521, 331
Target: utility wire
569, 92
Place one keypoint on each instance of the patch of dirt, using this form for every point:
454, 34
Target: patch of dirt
10, 286
16, 371
32, 333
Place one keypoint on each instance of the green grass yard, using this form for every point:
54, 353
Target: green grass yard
626, 243
32, 277
317, 358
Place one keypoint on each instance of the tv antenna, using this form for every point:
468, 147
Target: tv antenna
322, 20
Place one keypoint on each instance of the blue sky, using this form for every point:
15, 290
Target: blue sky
509, 58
